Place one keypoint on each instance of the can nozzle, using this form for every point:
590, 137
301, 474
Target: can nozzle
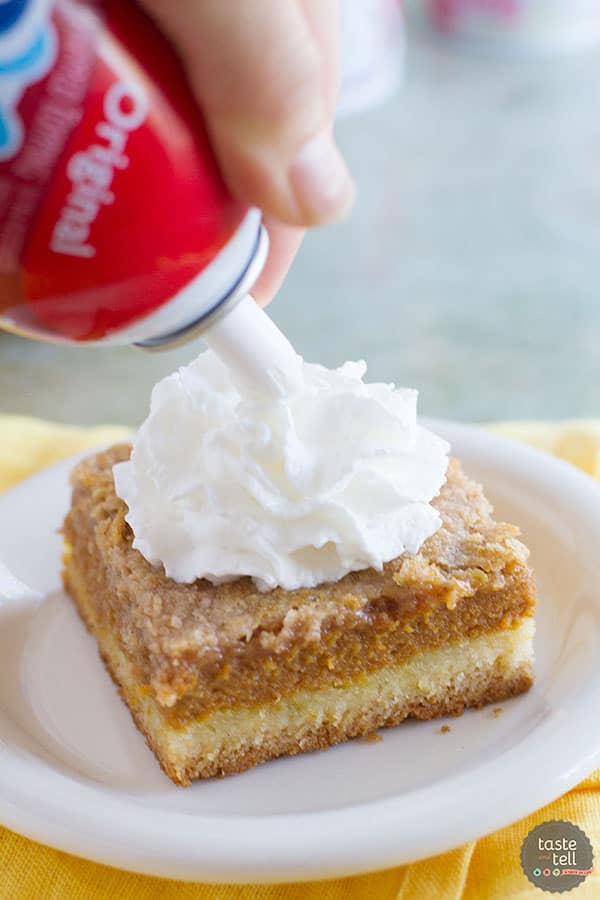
257, 354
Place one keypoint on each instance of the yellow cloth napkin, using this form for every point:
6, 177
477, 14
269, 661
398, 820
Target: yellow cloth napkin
488, 868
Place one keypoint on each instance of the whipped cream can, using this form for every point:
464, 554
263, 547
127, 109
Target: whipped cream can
520, 27
115, 223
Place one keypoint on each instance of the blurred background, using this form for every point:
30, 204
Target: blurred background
469, 268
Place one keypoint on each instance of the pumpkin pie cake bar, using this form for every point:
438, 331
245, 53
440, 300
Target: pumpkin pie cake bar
220, 678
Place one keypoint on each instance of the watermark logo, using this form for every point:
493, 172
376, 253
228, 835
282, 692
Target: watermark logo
556, 856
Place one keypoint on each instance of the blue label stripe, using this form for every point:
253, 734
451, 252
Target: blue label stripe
29, 59
24, 23
10, 13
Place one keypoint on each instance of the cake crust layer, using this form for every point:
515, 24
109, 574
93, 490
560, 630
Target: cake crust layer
220, 678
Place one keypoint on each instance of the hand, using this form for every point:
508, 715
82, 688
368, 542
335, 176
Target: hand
266, 75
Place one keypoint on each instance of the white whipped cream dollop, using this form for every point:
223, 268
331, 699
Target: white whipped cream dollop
294, 489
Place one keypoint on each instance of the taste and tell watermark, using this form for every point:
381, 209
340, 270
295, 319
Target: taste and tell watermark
556, 856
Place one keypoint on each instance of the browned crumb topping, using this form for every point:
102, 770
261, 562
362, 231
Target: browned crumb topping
497, 711
444, 729
373, 738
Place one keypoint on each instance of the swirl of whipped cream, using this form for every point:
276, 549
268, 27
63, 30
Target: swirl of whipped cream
293, 489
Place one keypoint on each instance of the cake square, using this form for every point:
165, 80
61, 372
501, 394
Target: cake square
222, 677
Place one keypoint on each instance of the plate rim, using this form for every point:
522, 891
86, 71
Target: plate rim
335, 843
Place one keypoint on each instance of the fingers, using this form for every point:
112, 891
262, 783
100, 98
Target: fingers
284, 241
264, 73
323, 21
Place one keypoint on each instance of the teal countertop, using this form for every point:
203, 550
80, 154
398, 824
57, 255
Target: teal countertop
469, 268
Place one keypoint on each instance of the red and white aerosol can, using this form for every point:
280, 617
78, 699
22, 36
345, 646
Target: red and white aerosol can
115, 224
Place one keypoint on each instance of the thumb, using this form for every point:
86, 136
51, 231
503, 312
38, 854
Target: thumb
260, 78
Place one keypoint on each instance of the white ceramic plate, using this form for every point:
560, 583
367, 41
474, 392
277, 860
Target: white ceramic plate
75, 773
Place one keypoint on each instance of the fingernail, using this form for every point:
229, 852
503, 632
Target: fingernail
320, 180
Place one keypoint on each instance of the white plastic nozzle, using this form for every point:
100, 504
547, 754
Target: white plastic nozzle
257, 354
